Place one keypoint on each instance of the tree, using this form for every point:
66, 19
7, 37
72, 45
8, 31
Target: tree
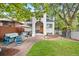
21, 11
17, 11
40, 9
66, 13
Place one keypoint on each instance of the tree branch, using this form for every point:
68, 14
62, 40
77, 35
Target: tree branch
61, 17
68, 10
76, 9
63, 10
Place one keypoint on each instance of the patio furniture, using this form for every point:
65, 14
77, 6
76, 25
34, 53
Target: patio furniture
11, 34
18, 40
29, 33
7, 40
10, 37
24, 35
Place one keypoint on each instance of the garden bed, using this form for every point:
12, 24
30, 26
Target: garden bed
49, 37
8, 51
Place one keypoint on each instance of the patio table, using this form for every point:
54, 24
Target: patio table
10, 37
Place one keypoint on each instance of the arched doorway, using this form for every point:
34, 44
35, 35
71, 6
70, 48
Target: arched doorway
39, 27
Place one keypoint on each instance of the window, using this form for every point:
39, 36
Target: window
49, 25
30, 25
49, 20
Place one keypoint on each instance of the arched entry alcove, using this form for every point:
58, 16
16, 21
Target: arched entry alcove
39, 27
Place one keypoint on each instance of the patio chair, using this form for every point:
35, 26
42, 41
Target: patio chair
18, 40
7, 40
24, 35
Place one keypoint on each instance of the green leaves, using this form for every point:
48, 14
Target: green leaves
15, 11
65, 14
40, 9
20, 12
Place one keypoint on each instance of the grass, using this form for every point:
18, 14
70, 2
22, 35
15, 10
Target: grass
55, 48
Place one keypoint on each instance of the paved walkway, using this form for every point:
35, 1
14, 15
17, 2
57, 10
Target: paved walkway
26, 45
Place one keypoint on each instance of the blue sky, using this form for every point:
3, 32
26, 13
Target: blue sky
30, 6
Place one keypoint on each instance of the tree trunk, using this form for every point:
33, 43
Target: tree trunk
63, 33
66, 33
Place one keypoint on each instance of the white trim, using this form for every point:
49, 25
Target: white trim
33, 26
53, 26
43, 20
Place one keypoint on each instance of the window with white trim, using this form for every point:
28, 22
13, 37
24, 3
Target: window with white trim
49, 25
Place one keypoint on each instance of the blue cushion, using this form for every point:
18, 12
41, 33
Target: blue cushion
18, 40
8, 40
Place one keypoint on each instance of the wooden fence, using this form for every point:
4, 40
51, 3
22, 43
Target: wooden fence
7, 29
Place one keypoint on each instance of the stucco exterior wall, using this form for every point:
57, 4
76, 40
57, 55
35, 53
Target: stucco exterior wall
45, 29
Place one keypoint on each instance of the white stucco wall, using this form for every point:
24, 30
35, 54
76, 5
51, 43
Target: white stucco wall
53, 26
45, 29
44, 24
33, 26
49, 30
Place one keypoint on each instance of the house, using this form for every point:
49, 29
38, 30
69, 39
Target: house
44, 26
9, 26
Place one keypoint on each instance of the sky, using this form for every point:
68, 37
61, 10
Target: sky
30, 6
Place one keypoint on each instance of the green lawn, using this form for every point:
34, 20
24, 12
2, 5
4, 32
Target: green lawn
55, 48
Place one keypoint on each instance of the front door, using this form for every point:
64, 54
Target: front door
39, 27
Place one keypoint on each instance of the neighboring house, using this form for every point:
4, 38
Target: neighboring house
43, 26
9, 26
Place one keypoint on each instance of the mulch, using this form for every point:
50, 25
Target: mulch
52, 36
8, 51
